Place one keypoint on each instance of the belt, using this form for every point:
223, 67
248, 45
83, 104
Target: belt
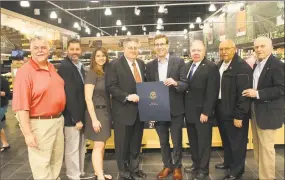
46, 117
100, 107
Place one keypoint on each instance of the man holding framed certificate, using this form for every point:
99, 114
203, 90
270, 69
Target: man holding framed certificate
172, 71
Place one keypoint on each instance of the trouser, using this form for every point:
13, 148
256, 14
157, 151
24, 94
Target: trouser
263, 148
175, 127
128, 140
200, 140
74, 152
46, 159
234, 142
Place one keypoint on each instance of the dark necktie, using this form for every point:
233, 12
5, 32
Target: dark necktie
191, 71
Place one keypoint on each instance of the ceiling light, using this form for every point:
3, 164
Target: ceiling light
124, 28
144, 33
108, 12
119, 23
53, 15
144, 28
198, 20
177, 42
159, 21
87, 30
117, 30
137, 11
129, 33
184, 50
157, 32
37, 12
191, 26
212, 8
159, 26
25, 3
59, 20
201, 26
185, 36
76, 25
185, 31
116, 34
98, 34
79, 28
94, 1
102, 34
162, 9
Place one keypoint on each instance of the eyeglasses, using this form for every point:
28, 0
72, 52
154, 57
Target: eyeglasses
227, 49
160, 45
132, 48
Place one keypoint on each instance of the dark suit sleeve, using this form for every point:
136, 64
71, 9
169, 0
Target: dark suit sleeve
213, 85
277, 90
243, 82
70, 92
112, 83
182, 82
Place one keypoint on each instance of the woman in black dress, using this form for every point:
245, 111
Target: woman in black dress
98, 120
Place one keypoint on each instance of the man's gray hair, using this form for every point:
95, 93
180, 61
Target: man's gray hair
198, 41
127, 40
41, 38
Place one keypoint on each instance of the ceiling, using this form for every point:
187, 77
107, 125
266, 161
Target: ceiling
148, 15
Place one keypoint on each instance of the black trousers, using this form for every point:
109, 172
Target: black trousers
175, 127
234, 143
200, 139
127, 146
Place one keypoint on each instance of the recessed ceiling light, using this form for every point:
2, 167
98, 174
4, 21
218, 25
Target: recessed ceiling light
25, 3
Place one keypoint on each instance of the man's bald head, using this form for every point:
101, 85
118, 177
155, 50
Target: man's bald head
262, 47
227, 50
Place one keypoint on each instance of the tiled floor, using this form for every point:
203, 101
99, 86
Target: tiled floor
14, 163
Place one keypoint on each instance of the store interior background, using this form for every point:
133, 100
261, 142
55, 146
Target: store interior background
181, 21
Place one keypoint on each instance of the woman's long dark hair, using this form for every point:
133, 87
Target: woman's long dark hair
93, 65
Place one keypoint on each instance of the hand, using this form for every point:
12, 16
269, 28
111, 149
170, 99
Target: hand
79, 125
170, 82
250, 93
203, 118
238, 123
133, 98
96, 126
3, 93
31, 140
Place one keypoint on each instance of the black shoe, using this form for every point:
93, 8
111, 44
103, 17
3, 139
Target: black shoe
126, 178
201, 176
191, 169
221, 166
230, 177
138, 174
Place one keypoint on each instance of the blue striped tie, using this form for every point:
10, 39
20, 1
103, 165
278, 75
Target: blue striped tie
191, 71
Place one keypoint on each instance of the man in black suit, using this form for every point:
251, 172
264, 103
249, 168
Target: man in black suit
232, 110
122, 76
267, 111
72, 72
171, 70
200, 99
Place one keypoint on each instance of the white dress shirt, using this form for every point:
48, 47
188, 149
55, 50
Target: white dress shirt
222, 69
257, 72
162, 68
195, 68
132, 67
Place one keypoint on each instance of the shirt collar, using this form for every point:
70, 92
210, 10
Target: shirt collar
129, 61
36, 66
166, 58
197, 63
263, 61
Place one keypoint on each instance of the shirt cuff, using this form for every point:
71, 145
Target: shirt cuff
257, 95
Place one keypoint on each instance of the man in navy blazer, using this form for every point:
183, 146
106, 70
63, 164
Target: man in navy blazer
171, 70
267, 111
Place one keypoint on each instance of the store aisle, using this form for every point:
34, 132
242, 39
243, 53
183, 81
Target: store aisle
14, 163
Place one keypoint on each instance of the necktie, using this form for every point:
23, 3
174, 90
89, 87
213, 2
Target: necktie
137, 74
191, 71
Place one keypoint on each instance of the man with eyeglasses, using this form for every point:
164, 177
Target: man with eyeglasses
172, 71
232, 110
121, 79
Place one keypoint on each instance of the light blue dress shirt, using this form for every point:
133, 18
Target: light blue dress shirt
79, 66
162, 68
257, 72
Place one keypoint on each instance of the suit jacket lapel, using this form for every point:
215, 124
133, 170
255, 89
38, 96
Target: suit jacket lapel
141, 70
188, 66
264, 71
155, 67
127, 68
201, 65
170, 64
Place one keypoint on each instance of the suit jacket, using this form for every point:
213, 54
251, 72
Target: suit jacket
269, 109
202, 92
74, 89
235, 79
120, 83
177, 71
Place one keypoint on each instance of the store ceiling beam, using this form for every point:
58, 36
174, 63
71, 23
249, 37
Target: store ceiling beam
140, 6
78, 18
